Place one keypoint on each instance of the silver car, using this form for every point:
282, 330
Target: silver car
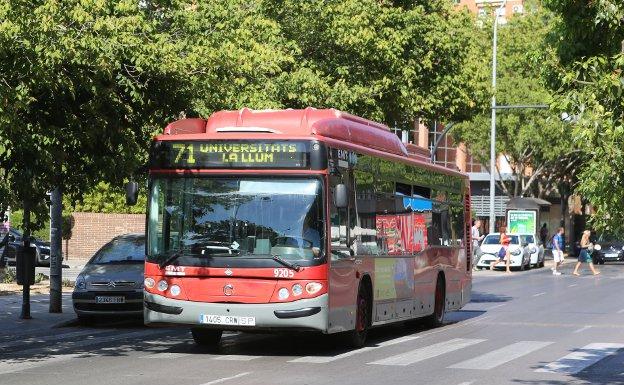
111, 283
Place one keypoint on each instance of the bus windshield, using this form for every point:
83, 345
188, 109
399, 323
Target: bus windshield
248, 217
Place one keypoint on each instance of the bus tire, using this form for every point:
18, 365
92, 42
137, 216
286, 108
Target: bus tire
356, 338
206, 337
439, 309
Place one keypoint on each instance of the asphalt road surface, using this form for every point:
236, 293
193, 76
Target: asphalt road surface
524, 328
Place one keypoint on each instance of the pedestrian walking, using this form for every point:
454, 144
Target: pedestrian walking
543, 234
557, 250
585, 255
503, 253
476, 238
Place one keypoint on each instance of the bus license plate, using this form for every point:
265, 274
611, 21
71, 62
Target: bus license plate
227, 320
102, 299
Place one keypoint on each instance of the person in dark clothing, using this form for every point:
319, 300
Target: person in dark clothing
543, 234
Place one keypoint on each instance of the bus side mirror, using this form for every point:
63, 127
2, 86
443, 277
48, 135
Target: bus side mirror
132, 193
341, 199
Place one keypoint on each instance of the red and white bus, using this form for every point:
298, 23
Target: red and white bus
309, 219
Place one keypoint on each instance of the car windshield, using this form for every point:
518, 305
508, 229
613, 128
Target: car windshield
609, 237
121, 250
236, 218
494, 239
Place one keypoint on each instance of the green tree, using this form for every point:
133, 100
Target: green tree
589, 41
391, 61
83, 83
533, 142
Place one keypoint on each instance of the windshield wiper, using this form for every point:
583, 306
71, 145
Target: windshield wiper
292, 266
170, 259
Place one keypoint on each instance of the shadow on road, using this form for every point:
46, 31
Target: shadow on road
480, 297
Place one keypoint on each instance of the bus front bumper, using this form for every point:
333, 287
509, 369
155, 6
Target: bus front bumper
305, 314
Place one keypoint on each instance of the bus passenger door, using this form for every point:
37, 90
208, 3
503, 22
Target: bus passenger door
342, 275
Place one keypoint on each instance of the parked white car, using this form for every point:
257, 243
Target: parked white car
488, 251
536, 251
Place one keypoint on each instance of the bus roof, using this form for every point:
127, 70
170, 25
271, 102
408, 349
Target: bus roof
328, 123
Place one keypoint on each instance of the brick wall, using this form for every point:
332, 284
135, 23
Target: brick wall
92, 230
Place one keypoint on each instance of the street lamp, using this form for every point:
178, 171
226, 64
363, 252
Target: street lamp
493, 128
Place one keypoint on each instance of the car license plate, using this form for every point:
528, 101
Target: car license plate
226, 320
611, 256
106, 299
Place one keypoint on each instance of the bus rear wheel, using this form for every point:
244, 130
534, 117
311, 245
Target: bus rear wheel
439, 309
357, 337
206, 337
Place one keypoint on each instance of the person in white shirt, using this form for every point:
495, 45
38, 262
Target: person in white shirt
476, 238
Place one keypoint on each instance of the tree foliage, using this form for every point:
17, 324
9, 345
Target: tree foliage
81, 82
532, 141
589, 40
86, 83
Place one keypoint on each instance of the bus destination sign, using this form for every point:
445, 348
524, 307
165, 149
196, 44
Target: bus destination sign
230, 154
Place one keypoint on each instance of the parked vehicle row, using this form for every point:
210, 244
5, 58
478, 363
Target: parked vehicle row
42, 248
523, 250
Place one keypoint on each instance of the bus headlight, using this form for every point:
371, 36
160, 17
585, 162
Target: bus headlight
283, 293
174, 290
162, 285
297, 289
313, 287
149, 283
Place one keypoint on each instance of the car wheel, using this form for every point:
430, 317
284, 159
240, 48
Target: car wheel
357, 337
206, 337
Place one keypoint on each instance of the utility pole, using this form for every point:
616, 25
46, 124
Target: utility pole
25, 263
493, 128
56, 252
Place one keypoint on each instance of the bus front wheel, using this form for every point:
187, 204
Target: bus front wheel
206, 337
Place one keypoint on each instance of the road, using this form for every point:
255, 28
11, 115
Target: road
524, 328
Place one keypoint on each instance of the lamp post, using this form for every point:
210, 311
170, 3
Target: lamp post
493, 128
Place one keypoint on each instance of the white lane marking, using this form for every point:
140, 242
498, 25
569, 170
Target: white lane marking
10, 365
220, 380
581, 358
572, 285
582, 329
620, 311
165, 355
236, 357
538, 294
501, 356
467, 382
323, 360
427, 352
50, 338
495, 306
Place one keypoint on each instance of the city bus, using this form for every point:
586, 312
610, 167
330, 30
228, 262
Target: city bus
303, 220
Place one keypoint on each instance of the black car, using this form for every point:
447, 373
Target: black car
42, 248
612, 248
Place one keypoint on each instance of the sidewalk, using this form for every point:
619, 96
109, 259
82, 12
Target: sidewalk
43, 322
